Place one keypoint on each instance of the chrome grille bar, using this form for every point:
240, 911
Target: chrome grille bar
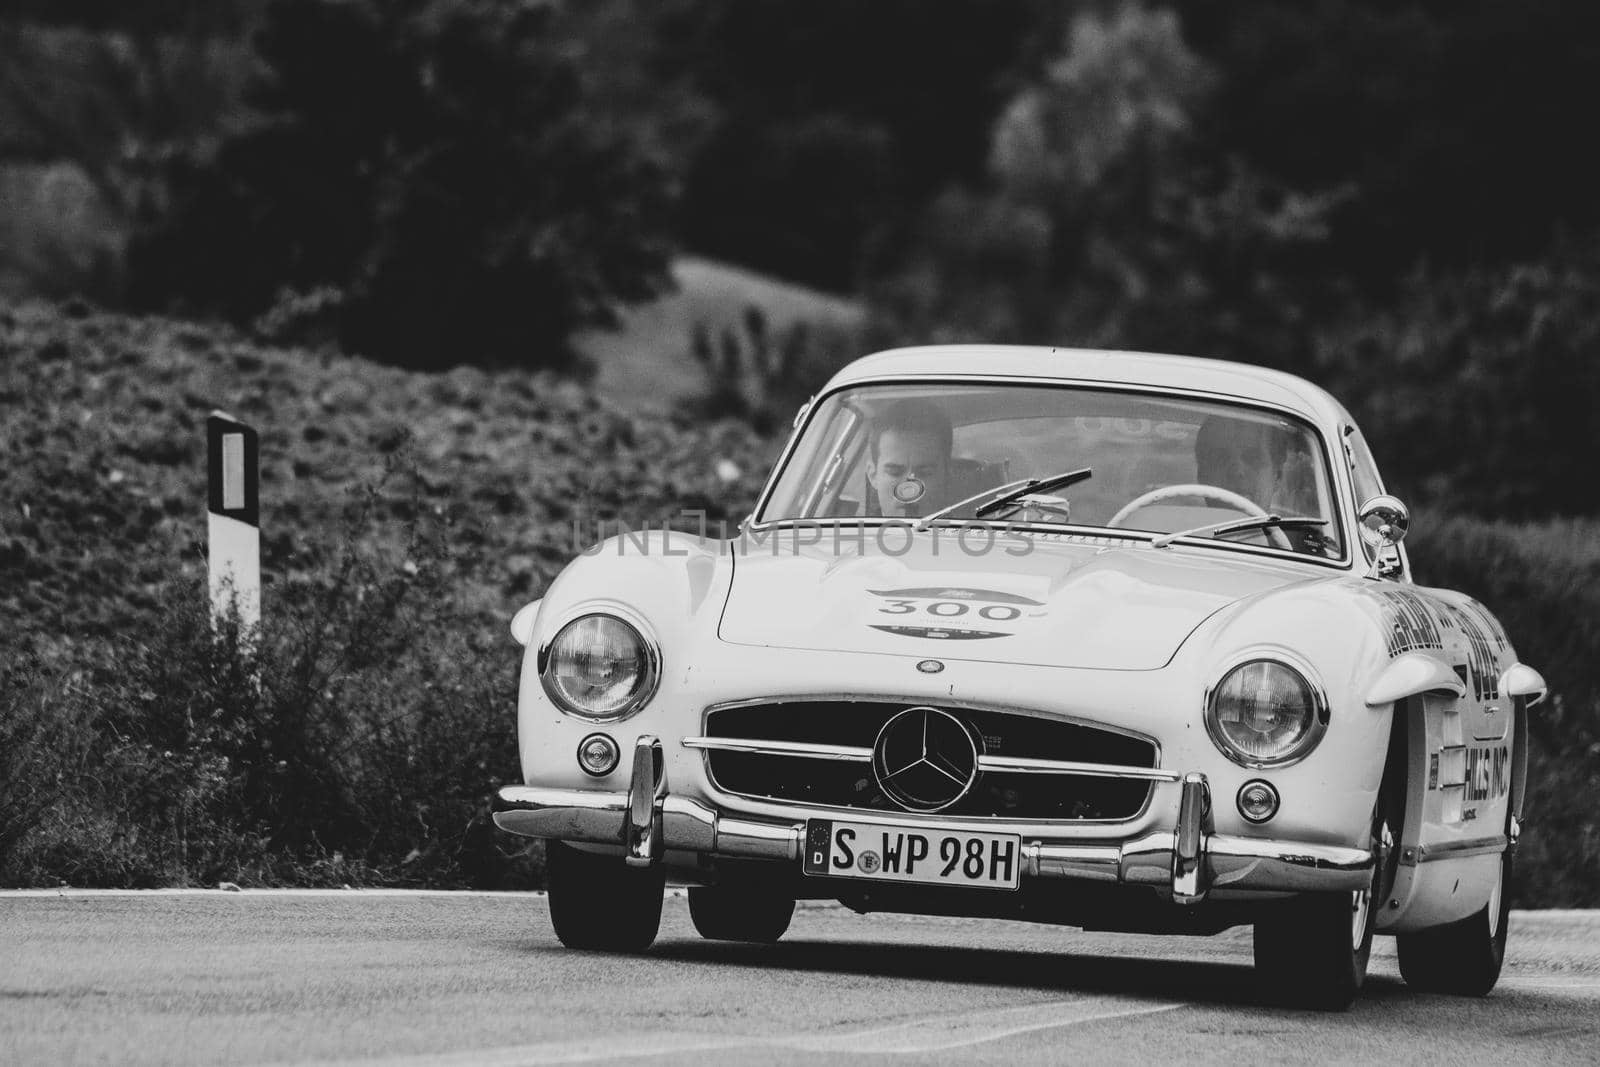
1001, 764
1024, 765
804, 750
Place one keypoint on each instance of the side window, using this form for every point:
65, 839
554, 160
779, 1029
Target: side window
1363, 469
1364, 475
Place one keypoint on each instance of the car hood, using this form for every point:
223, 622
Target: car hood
1054, 600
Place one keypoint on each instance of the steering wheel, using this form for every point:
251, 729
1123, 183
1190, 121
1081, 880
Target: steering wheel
1213, 492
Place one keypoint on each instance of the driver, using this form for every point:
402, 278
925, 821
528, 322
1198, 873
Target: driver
908, 459
1265, 464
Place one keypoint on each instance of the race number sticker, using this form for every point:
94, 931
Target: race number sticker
943, 613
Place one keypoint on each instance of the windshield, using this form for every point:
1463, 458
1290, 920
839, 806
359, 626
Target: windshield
1160, 464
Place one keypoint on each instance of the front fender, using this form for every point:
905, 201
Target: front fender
673, 584
1330, 793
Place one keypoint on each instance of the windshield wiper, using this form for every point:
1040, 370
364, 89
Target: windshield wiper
1037, 485
1253, 522
1001, 495
927, 520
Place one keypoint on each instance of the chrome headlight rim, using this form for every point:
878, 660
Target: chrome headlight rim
647, 640
1319, 712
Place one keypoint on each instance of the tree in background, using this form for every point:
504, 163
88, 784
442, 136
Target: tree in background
1457, 121
838, 121
96, 96
435, 164
1480, 387
1108, 218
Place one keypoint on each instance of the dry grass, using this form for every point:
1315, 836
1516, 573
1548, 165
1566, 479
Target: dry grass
647, 366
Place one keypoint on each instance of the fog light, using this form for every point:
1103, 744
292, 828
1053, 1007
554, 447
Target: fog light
1258, 801
598, 755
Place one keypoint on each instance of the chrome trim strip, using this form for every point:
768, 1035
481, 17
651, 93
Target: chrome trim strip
802, 749
1455, 850
1025, 765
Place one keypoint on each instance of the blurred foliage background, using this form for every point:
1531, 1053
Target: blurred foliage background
1384, 195
1393, 198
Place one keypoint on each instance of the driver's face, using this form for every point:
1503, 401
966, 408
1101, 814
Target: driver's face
1268, 470
1246, 468
903, 460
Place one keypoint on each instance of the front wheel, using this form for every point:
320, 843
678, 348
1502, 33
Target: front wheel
1463, 958
1313, 952
729, 914
599, 902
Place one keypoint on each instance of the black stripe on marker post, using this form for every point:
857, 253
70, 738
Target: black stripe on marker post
232, 470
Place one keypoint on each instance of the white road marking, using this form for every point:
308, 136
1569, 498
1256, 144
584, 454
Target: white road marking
584, 1050
1549, 984
943, 1032
934, 1033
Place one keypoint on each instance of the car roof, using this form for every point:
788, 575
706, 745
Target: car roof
1214, 376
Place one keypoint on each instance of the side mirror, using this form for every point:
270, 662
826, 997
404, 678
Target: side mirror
1384, 522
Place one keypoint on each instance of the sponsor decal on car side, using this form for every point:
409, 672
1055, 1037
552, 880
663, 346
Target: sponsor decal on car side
1409, 622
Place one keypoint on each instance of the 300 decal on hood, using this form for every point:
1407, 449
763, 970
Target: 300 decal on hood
1066, 605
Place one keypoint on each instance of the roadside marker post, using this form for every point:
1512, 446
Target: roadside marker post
233, 506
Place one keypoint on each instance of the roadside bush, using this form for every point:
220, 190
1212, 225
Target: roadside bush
357, 738
45, 743
1543, 582
404, 518
434, 163
1503, 355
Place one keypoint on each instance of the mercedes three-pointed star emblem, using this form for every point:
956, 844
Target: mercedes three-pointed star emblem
925, 759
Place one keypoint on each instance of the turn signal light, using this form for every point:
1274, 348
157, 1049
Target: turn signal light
598, 755
1258, 801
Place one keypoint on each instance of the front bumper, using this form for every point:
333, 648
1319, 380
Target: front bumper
1188, 859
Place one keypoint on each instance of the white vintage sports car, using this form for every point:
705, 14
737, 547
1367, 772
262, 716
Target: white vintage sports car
1113, 640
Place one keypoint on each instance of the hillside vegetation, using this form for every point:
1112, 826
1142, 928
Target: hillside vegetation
405, 516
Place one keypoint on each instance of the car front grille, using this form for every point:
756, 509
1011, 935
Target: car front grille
997, 794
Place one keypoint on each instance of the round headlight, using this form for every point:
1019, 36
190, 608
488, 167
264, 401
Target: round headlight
1264, 714
599, 667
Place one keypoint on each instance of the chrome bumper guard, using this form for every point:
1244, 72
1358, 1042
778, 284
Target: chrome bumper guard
1189, 860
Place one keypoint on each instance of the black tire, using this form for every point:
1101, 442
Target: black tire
1313, 951
1308, 955
731, 914
1463, 958
599, 902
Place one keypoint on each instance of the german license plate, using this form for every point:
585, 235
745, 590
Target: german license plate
912, 854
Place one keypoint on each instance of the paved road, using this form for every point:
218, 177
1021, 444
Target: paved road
374, 978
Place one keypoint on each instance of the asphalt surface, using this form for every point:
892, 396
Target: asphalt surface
378, 978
